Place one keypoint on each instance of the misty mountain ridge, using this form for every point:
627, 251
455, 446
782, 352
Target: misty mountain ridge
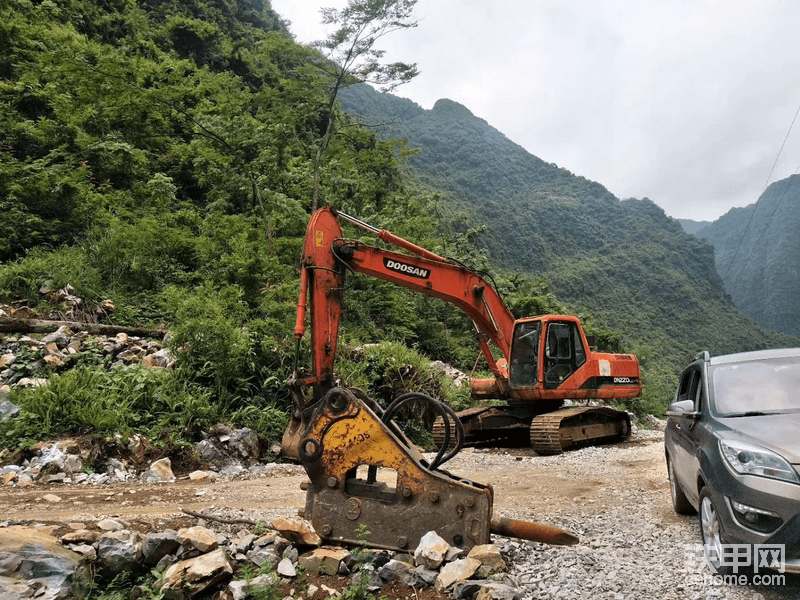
757, 255
691, 226
624, 261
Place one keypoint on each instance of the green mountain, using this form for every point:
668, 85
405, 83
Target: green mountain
161, 156
625, 262
757, 254
690, 226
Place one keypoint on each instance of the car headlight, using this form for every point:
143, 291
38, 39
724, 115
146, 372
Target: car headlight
748, 459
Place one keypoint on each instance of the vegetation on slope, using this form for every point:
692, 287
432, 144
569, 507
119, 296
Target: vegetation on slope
626, 263
161, 156
756, 252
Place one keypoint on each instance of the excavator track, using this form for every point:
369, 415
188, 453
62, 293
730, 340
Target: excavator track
439, 426
554, 432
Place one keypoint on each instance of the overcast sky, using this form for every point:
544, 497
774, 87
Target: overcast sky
686, 102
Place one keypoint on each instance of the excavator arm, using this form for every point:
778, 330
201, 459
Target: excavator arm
361, 468
326, 258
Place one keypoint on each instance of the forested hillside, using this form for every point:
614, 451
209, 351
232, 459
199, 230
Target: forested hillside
757, 253
626, 262
690, 226
158, 158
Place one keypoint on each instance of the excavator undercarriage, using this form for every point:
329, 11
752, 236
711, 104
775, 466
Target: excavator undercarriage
551, 432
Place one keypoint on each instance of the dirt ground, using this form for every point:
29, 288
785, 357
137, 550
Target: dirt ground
524, 487
538, 488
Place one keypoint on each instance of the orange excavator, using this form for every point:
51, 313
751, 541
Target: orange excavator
362, 470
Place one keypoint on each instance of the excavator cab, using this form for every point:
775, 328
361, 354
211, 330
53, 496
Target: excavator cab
559, 343
564, 353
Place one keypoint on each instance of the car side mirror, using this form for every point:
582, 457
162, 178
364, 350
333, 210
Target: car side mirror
683, 408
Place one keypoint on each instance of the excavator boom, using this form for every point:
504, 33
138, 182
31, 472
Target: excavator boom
362, 469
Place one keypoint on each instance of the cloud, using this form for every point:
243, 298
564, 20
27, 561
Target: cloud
686, 102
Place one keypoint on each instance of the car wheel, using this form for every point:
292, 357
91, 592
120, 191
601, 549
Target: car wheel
712, 534
680, 502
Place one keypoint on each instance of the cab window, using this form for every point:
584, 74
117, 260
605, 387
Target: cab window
525, 354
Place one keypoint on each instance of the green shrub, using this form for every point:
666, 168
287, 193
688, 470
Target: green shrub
209, 339
66, 265
122, 400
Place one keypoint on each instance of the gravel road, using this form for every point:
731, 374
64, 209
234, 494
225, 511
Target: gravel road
615, 498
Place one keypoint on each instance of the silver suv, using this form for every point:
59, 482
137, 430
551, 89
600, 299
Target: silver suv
733, 451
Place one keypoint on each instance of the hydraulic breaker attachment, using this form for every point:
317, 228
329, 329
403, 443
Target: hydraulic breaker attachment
364, 475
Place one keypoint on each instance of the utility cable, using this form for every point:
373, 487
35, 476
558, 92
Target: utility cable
755, 209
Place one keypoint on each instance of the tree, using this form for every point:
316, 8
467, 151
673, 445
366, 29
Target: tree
350, 56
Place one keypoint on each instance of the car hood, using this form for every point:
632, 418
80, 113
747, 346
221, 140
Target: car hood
778, 433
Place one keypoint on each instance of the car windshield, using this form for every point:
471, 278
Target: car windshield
757, 387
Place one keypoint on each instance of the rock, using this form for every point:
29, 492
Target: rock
190, 577
198, 537
151, 362
72, 463
202, 475
466, 590
110, 525
158, 544
7, 409
456, 571
330, 591
82, 536
431, 550
243, 543
51, 498
137, 447
52, 454
158, 360
498, 591
396, 571
490, 557
232, 471
52, 349
296, 531
119, 550
31, 382
208, 452
7, 360
655, 422
292, 554
33, 555
60, 337
323, 560
85, 550
106, 306
245, 442
263, 555
53, 361
459, 378
286, 568
427, 576
159, 472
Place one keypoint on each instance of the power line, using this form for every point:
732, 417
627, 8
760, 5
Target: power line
755, 209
